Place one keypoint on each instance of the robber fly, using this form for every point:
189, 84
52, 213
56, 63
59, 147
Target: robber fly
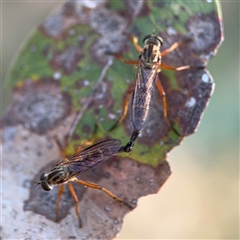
148, 66
76, 164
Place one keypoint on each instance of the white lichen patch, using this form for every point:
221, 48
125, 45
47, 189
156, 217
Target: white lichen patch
171, 31
205, 78
136, 6
191, 102
107, 22
82, 8
205, 31
57, 75
53, 24
111, 116
86, 82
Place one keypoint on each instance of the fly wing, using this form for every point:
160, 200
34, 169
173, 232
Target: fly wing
142, 96
87, 158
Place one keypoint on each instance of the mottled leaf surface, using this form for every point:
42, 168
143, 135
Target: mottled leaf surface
63, 77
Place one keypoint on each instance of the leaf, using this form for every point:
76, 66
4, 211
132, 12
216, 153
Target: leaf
63, 81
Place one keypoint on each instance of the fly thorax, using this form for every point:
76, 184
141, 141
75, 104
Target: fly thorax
150, 55
57, 175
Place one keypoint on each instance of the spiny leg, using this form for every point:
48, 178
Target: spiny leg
165, 108
163, 95
180, 68
138, 48
73, 193
135, 42
162, 92
171, 48
122, 59
176, 45
95, 186
125, 108
60, 192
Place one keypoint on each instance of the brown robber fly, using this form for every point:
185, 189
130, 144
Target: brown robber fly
148, 66
76, 164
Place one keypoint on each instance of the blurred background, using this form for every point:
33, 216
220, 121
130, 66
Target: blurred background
201, 198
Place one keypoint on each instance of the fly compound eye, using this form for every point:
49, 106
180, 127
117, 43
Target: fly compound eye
46, 186
147, 37
44, 182
159, 39
42, 176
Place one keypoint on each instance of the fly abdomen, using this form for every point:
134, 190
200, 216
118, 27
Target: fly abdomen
142, 97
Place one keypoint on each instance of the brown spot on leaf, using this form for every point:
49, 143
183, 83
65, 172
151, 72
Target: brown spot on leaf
68, 10
101, 46
206, 32
66, 60
79, 84
107, 22
59, 21
53, 24
86, 129
39, 106
187, 104
110, 26
181, 56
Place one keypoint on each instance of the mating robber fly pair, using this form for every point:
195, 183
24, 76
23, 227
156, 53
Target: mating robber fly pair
148, 66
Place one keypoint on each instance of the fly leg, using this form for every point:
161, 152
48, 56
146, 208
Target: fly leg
122, 59
60, 192
95, 186
165, 108
163, 95
175, 45
162, 92
181, 68
186, 67
74, 195
134, 41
